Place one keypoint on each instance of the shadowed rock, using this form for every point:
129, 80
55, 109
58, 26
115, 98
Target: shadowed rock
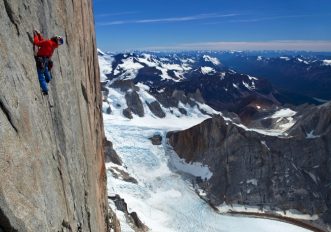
110, 153
156, 109
127, 113
258, 170
134, 103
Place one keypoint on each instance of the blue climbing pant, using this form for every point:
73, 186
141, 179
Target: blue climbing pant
43, 73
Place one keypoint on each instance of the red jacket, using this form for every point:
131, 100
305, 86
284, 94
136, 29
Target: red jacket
46, 47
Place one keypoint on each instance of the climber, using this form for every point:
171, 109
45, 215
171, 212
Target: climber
43, 57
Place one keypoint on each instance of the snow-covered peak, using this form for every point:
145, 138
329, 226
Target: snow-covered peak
105, 64
284, 58
213, 60
100, 52
159, 67
327, 62
128, 69
302, 61
207, 70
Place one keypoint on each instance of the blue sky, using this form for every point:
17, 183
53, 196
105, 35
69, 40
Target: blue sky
213, 24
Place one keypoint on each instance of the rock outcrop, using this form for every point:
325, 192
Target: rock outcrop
156, 139
110, 154
133, 219
51, 156
268, 172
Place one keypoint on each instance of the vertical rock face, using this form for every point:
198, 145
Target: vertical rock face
51, 156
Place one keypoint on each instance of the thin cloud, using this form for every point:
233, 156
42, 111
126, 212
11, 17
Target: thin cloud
117, 14
169, 20
294, 45
271, 18
261, 19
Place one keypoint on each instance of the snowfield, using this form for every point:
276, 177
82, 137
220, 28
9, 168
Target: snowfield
164, 198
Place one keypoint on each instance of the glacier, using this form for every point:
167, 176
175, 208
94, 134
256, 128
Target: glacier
164, 198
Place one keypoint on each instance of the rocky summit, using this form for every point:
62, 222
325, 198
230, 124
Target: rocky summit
51, 156
289, 174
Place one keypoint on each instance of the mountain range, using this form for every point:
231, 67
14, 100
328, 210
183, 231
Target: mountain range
266, 147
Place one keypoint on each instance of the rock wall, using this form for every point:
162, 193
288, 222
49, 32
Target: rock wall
272, 173
51, 156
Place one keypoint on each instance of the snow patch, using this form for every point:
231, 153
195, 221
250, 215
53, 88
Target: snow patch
252, 181
222, 75
145, 96
161, 90
311, 135
292, 213
265, 144
284, 113
252, 78
207, 70
249, 87
302, 61
284, 58
320, 100
194, 168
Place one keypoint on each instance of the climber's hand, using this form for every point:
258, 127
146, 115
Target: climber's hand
36, 32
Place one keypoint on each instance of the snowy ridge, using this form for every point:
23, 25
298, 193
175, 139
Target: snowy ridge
130, 64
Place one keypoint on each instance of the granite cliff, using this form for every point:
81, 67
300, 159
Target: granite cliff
51, 156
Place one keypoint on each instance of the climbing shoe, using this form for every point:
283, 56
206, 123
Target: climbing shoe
45, 93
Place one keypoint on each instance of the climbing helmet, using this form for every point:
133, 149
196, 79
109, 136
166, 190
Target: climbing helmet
59, 39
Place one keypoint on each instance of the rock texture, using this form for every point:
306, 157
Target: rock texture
269, 172
51, 158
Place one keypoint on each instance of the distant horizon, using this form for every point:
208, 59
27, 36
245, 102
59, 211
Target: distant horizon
216, 50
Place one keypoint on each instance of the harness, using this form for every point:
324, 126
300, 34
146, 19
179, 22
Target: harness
43, 62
